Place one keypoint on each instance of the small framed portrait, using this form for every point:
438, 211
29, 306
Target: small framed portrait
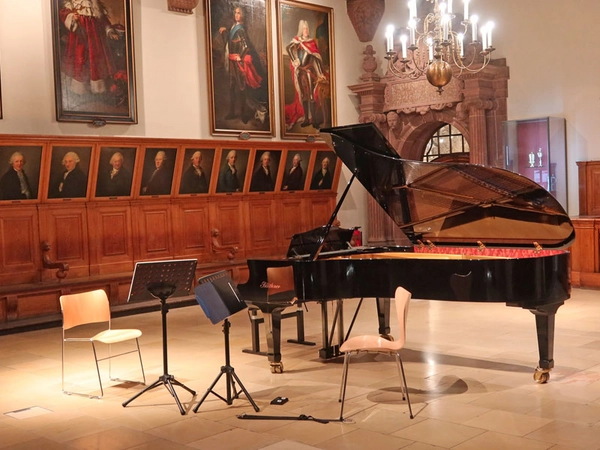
20, 172
306, 68
197, 171
296, 168
232, 171
265, 170
115, 171
239, 66
94, 77
323, 171
157, 173
69, 170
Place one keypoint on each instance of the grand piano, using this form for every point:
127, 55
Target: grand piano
476, 233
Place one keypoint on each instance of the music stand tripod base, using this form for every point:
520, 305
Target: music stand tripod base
181, 272
219, 299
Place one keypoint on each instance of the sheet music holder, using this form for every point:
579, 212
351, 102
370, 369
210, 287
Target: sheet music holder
163, 279
219, 299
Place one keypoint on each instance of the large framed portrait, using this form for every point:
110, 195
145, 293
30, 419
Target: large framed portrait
323, 171
20, 172
197, 170
157, 174
115, 171
232, 170
94, 74
296, 168
306, 68
69, 171
239, 66
265, 170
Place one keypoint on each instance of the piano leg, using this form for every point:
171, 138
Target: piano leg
383, 316
329, 350
544, 320
273, 332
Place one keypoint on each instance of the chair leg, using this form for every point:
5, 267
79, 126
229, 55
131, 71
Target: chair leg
403, 384
98, 370
344, 383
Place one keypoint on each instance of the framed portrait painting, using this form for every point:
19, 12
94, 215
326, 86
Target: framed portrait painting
323, 171
306, 68
115, 171
157, 174
94, 76
197, 171
232, 170
69, 171
296, 167
20, 172
265, 170
239, 66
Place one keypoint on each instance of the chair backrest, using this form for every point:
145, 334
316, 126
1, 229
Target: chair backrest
402, 300
84, 308
281, 279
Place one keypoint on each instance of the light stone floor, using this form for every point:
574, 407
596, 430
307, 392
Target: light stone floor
469, 369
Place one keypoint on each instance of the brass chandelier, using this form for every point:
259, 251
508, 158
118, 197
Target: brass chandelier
436, 49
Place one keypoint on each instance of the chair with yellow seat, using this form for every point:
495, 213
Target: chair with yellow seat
378, 344
80, 312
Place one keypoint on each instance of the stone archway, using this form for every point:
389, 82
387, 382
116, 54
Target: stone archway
475, 105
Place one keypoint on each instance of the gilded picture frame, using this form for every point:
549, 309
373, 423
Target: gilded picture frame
27, 160
239, 60
100, 89
306, 68
69, 172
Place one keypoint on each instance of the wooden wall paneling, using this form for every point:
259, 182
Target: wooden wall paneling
65, 227
20, 258
35, 305
262, 220
191, 229
111, 237
589, 188
585, 252
291, 219
228, 216
153, 227
320, 209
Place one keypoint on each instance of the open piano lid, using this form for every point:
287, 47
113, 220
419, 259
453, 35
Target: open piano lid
451, 203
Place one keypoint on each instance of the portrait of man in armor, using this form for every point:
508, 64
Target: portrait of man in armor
239, 66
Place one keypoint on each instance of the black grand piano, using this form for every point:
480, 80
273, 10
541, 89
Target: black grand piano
478, 234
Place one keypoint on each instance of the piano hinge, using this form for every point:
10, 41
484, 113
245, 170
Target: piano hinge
538, 247
420, 242
430, 244
481, 246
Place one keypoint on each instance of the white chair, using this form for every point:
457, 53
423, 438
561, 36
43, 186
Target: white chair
378, 344
88, 308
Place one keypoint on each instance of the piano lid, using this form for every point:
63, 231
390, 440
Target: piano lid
451, 203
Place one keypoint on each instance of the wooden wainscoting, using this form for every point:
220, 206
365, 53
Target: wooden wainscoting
101, 237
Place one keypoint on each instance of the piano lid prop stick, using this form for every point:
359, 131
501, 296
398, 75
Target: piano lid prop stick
321, 240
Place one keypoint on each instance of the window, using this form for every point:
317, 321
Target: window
446, 141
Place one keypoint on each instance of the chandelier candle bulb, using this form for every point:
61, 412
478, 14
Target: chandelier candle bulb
449, 6
412, 9
466, 15
490, 27
389, 35
474, 20
430, 45
403, 39
412, 25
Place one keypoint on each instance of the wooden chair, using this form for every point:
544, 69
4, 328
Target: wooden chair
378, 344
88, 308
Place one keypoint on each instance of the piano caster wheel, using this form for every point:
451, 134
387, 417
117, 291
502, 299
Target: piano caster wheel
277, 367
541, 376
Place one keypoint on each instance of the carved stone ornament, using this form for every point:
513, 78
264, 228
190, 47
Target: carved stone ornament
182, 6
365, 16
418, 96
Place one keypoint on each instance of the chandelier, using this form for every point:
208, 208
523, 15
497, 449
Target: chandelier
435, 48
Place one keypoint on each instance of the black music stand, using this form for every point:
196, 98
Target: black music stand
163, 279
219, 299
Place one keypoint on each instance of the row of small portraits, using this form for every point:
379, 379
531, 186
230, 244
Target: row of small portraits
74, 171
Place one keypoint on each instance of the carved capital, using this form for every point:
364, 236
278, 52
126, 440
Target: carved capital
464, 108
